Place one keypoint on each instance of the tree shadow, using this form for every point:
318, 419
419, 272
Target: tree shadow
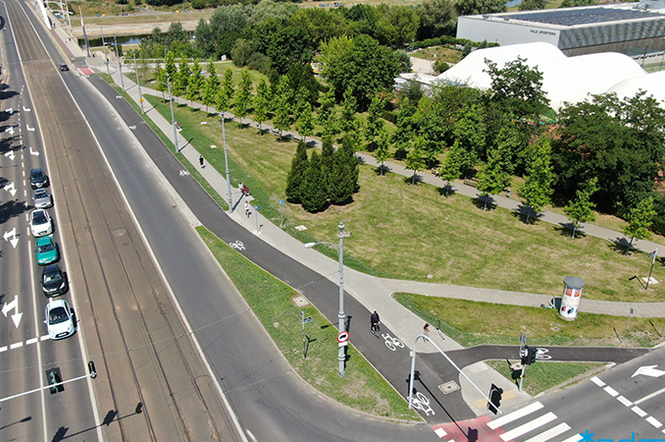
620, 245
485, 202
446, 190
6, 144
5, 93
413, 179
11, 209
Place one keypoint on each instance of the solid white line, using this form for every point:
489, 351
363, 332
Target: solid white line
549, 434
16, 345
611, 391
653, 421
515, 415
650, 396
3, 349
31, 341
624, 401
44, 338
529, 426
596, 380
577, 438
638, 411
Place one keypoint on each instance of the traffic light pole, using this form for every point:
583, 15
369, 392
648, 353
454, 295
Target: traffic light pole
413, 369
93, 374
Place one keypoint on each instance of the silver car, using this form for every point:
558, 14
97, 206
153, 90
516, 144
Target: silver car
42, 199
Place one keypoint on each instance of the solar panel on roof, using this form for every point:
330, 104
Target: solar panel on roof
581, 16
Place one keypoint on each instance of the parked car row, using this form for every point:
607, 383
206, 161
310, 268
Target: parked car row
60, 318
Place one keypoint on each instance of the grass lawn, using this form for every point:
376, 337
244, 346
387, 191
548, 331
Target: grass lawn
469, 324
362, 388
415, 232
439, 53
543, 376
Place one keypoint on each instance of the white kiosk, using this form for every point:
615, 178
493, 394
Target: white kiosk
570, 301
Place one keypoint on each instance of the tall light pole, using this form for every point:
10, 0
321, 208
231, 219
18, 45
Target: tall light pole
175, 131
138, 83
226, 160
108, 68
340, 316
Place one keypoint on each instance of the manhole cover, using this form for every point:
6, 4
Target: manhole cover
448, 387
119, 232
300, 301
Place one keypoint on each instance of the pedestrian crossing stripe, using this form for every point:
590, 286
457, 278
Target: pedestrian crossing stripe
515, 415
549, 434
529, 426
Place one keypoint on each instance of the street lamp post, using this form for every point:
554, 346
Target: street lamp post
108, 68
138, 83
226, 160
341, 357
175, 131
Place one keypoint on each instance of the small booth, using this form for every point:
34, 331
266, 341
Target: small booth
572, 294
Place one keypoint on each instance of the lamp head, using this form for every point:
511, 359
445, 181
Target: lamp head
309, 245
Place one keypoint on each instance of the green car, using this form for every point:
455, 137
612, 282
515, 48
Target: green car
46, 251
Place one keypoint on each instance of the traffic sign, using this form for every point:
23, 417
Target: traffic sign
307, 319
343, 336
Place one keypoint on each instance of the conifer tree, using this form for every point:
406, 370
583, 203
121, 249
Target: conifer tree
294, 178
312, 190
343, 180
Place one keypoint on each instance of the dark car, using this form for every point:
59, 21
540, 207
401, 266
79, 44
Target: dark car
38, 179
64, 67
54, 281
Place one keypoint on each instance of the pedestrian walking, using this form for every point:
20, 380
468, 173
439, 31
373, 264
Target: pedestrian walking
374, 321
201, 161
426, 329
247, 208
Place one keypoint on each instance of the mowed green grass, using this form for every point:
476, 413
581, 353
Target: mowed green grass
415, 232
363, 388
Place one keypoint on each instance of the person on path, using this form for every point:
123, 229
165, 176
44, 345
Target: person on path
247, 208
426, 329
374, 323
201, 161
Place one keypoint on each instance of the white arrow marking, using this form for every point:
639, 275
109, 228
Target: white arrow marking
649, 370
10, 111
34, 152
10, 188
16, 317
132, 127
10, 155
30, 129
25, 109
11, 234
10, 129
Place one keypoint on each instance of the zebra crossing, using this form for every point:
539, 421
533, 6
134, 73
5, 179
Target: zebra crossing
527, 424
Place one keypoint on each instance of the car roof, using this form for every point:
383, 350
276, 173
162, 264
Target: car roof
51, 268
44, 239
41, 190
39, 211
36, 170
56, 303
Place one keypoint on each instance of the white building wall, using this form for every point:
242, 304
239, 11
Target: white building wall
476, 29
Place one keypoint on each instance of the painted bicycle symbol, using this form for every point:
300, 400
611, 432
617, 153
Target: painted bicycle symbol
392, 343
541, 353
420, 402
184, 173
238, 245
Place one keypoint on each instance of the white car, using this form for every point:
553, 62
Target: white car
40, 223
59, 319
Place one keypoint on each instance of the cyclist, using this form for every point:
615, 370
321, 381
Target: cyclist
375, 321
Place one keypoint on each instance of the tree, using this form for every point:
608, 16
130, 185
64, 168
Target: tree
325, 112
621, 142
226, 92
305, 123
580, 210
182, 78
343, 180
211, 87
195, 83
313, 193
381, 153
162, 83
397, 25
375, 123
349, 122
493, 178
469, 134
451, 169
415, 159
475, 7
438, 17
283, 99
241, 52
406, 128
537, 188
261, 103
299, 165
640, 219
170, 66
361, 64
243, 100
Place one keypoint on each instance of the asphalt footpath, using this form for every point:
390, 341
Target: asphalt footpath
441, 393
